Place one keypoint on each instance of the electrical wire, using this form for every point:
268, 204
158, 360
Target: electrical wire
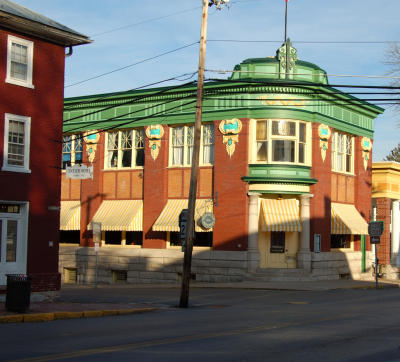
133, 64
108, 95
307, 41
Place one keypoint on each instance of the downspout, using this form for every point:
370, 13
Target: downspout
70, 51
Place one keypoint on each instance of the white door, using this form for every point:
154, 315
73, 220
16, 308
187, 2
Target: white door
13, 240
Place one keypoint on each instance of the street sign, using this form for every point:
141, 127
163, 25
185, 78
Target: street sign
375, 239
183, 216
375, 228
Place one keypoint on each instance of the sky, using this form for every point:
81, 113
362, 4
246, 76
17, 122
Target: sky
127, 33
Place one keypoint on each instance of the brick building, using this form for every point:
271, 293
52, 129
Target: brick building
32, 53
385, 207
285, 168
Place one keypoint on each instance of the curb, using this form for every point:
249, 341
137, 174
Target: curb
47, 317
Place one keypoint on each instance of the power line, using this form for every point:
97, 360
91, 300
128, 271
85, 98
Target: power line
305, 74
307, 41
108, 95
133, 64
146, 21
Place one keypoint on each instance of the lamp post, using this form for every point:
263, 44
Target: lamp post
187, 261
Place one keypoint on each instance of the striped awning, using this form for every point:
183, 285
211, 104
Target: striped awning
70, 215
169, 217
345, 219
281, 215
120, 215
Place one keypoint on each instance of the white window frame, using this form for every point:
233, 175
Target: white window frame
73, 148
307, 148
27, 130
335, 153
120, 150
187, 161
29, 71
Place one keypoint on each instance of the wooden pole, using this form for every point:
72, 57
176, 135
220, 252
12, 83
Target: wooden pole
187, 262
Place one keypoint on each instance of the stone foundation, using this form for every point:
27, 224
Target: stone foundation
141, 265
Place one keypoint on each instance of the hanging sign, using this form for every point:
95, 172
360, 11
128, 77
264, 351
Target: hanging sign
79, 172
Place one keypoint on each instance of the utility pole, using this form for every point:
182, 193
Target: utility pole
187, 260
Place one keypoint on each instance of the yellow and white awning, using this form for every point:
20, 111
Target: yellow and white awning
281, 215
169, 217
345, 219
70, 215
120, 215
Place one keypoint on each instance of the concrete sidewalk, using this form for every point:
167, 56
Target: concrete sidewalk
73, 301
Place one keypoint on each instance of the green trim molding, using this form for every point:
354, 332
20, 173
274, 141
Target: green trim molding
279, 174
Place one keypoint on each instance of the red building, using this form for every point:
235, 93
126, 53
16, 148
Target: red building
32, 60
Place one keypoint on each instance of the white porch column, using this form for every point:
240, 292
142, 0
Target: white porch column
304, 254
396, 231
253, 254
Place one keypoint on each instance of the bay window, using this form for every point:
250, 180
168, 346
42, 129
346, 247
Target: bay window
280, 141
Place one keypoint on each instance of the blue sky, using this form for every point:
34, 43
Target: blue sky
312, 21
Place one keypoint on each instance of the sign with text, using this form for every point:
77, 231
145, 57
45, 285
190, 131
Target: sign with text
375, 228
375, 239
79, 172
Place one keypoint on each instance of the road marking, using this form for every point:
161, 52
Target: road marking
165, 341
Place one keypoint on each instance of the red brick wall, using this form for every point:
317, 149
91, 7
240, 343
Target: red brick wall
383, 207
91, 194
41, 187
231, 204
363, 186
155, 192
320, 205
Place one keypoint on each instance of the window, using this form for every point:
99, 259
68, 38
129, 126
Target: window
339, 241
16, 143
281, 141
342, 152
19, 61
125, 149
182, 145
72, 150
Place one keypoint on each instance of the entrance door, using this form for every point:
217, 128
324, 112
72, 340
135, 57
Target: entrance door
12, 240
278, 249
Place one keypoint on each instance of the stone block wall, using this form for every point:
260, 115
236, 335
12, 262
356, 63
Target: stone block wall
150, 265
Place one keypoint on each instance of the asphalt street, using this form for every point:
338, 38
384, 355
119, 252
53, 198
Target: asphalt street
220, 325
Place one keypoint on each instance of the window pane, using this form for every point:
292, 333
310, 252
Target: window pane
208, 144
11, 241
112, 148
283, 128
78, 149
177, 145
126, 140
301, 152
16, 139
19, 61
348, 163
283, 151
262, 151
302, 132
261, 131
139, 145
126, 158
189, 144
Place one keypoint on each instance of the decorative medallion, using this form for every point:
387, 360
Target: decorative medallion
154, 133
366, 146
207, 220
324, 133
230, 130
91, 139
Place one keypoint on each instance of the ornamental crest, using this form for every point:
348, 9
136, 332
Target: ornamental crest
324, 133
91, 139
366, 146
230, 130
154, 133
287, 56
